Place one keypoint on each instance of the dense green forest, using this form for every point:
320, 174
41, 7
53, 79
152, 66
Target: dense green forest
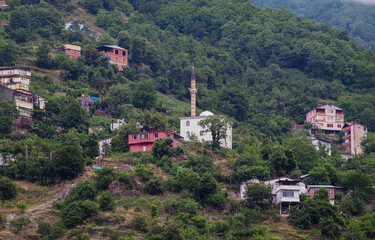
264, 69
356, 17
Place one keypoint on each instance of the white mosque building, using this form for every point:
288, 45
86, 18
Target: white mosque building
189, 126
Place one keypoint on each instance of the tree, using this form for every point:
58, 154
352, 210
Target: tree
282, 160
144, 94
90, 145
8, 114
162, 147
218, 126
44, 60
7, 189
107, 202
85, 190
75, 117
258, 194
68, 161
154, 186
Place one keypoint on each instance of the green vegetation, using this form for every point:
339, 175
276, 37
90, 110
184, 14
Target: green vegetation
260, 70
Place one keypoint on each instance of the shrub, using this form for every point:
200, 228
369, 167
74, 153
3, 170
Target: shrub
76, 212
171, 205
199, 221
104, 177
190, 206
16, 225
154, 187
146, 158
85, 190
139, 222
107, 202
125, 179
7, 189
165, 163
22, 205
220, 228
144, 172
154, 210
217, 200
251, 215
44, 228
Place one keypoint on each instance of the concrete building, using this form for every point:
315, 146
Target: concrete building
117, 124
3, 5
285, 191
321, 143
313, 190
117, 55
73, 51
189, 126
143, 141
24, 100
103, 145
328, 118
16, 78
354, 134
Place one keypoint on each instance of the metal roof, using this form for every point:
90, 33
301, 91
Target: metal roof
330, 106
112, 46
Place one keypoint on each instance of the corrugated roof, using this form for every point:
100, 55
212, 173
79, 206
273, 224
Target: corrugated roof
330, 106
112, 46
71, 46
321, 186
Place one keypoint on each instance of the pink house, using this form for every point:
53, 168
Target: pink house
143, 141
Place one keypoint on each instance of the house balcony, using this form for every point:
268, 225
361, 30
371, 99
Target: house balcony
347, 144
346, 129
347, 136
143, 140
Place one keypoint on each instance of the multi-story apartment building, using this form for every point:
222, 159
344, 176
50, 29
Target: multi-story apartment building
328, 118
143, 141
16, 78
354, 134
117, 55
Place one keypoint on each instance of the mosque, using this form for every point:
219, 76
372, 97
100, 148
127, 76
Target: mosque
189, 126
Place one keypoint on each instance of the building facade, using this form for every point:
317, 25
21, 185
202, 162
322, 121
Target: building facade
117, 55
312, 190
16, 78
321, 143
189, 126
354, 134
143, 141
285, 191
328, 118
73, 51
191, 130
3, 5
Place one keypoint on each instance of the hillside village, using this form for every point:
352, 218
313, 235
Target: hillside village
182, 120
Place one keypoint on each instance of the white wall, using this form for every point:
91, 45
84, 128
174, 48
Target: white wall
195, 129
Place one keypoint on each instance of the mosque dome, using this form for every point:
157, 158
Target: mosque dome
206, 114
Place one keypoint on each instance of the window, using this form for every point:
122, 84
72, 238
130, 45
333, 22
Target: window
330, 125
201, 133
116, 58
320, 117
288, 193
156, 135
339, 119
316, 192
123, 53
123, 59
187, 123
134, 137
116, 51
339, 125
188, 133
329, 192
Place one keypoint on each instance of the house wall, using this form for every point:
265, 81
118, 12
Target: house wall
117, 56
144, 142
195, 129
6, 93
326, 118
359, 132
103, 143
15, 71
72, 53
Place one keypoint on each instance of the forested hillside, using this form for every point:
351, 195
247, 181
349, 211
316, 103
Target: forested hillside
356, 17
264, 69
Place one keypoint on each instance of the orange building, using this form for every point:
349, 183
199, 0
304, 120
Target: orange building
117, 55
3, 5
329, 118
73, 51
314, 189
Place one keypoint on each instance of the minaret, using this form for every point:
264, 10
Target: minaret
193, 94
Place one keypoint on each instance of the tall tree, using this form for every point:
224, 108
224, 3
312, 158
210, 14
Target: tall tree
217, 125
